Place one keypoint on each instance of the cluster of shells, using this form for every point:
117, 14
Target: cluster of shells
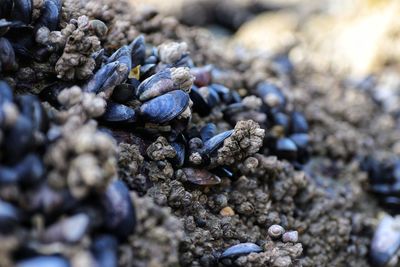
94, 120
58, 170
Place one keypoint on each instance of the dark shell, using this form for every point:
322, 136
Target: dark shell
68, 230
178, 126
123, 93
180, 154
236, 98
19, 139
134, 82
165, 108
50, 16
386, 189
208, 131
50, 93
240, 250
123, 56
96, 83
378, 172
214, 143
6, 7
213, 98
41, 54
202, 75
98, 57
8, 175
184, 61
44, 261
151, 60
201, 176
118, 113
138, 49
233, 109
384, 178
200, 105
6, 94
49, 201
301, 140
119, 75
9, 217
28, 171
31, 107
391, 203
265, 90
281, 119
7, 56
386, 241
23, 42
298, 123
5, 26
22, 11
119, 215
155, 85
104, 250
223, 92
147, 70
285, 148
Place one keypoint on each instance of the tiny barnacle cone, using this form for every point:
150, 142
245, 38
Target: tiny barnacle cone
165, 81
172, 52
227, 212
195, 158
276, 231
251, 163
182, 78
160, 149
290, 236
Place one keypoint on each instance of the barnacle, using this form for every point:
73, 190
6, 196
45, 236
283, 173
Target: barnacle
81, 41
161, 149
93, 164
246, 140
172, 52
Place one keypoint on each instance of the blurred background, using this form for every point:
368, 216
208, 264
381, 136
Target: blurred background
351, 37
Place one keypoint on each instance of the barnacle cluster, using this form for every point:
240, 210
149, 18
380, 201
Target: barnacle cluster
246, 139
81, 42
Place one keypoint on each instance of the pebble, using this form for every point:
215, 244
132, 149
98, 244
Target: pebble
292, 236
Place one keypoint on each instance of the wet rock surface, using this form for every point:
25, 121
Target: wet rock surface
129, 139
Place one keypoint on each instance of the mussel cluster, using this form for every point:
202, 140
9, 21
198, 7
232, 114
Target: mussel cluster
21, 22
58, 171
24, 125
40, 208
223, 156
384, 178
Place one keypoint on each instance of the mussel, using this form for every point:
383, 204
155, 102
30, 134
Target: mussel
165, 108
